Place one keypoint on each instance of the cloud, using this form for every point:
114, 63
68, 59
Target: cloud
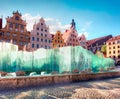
30, 20
54, 24
85, 33
84, 30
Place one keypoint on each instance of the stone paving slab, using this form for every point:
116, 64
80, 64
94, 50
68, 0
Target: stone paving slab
100, 89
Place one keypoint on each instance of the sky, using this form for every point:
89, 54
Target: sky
94, 18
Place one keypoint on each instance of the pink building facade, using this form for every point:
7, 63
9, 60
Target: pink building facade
70, 36
40, 36
83, 41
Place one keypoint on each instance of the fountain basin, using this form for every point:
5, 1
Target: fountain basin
45, 80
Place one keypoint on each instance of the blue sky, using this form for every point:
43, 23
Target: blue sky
94, 18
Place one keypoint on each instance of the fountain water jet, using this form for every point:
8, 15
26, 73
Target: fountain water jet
65, 59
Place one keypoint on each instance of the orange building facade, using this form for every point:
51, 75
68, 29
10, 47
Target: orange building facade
57, 40
15, 31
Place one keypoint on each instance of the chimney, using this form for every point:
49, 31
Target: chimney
0, 23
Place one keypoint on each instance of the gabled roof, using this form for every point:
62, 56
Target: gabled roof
100, 39
114, 38
82, 37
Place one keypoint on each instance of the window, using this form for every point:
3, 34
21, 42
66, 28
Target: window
14, 41
118, 46
41, 40
113, 42
45, 46
37, 39
11, 25
16, 25
49, 41
27, 37
21, 31
22, 27
41, 23
41, 29
109, 52
45, 30
32, 45
37, 28
7, 34
113, 52
26, 43
114, 47
37, 33
118, 51
21, 36
21, 43
41, 34
109, 43
33, 38
45, 40
45, 35
114, 57
37, 45
109, 47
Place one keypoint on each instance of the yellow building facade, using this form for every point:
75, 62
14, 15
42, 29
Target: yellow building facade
113, 47
57, 40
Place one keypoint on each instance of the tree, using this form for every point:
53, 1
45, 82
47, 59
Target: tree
103, 49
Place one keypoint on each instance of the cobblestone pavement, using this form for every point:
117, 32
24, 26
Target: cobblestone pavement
102, 89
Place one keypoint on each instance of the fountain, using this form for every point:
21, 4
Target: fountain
65, 59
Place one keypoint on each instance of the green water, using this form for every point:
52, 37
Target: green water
60, 59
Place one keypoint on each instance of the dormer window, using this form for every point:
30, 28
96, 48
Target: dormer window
17, 18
